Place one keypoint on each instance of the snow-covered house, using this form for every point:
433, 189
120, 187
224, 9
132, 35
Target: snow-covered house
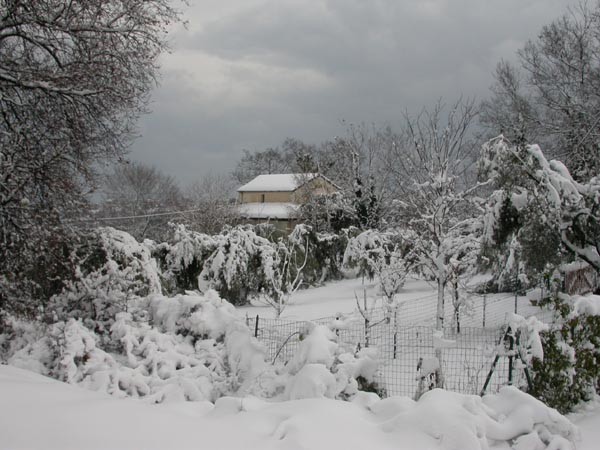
276, 198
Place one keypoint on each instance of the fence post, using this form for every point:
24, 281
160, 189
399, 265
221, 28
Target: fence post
484, 308
516, 296
395, 331
256, 327
511, 348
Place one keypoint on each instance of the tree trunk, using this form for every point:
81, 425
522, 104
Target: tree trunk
439, 325
439, 320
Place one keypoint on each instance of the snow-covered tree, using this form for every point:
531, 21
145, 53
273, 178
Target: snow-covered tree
528, 183
439, 206
384, 256
283, 269
182, 257
74, 78
363, 170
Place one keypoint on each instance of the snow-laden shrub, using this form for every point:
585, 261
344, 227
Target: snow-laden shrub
240, 261
570, 370
237, 265
182, 257
162, 349
325, 253
321, 368
112, 271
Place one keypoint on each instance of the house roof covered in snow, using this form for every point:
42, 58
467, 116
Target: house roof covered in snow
278, 182
268, 210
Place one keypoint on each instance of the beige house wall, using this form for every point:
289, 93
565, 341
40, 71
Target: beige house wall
269, 197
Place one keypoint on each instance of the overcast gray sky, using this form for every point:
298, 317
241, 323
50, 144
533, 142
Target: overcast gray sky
246, 74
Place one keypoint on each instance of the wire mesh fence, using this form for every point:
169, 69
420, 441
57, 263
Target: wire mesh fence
401, 340
473, 338
474, 310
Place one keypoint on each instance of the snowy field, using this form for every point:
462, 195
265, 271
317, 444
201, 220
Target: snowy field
41, 413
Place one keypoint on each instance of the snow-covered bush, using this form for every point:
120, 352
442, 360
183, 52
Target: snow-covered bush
570, 370
322, 368
325, 253
182, 258
113, 271
34, 271
162, 349
236, 267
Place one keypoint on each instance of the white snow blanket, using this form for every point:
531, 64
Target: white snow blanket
40, 413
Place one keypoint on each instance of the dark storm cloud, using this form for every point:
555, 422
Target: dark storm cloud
247, 74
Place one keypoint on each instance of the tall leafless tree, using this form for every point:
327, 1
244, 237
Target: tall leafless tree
551, 96
139, 199
210, 199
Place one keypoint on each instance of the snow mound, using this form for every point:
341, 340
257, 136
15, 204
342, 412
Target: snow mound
439, 420
466, 422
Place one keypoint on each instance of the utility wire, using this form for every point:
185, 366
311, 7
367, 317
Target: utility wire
140, 216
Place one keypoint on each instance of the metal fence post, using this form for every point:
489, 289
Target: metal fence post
395, 331
256, 327
484, 308
511, 349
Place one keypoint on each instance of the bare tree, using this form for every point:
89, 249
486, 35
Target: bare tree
210, 199
138, 198
552, 96
253, 164
362, 169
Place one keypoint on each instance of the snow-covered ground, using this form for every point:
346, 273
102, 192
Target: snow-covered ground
38, 412
418, 299
41, 413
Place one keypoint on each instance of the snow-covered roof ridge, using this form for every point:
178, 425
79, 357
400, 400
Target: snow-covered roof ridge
278, 182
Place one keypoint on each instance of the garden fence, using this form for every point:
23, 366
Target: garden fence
406, 334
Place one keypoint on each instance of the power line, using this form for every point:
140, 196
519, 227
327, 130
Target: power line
140, 216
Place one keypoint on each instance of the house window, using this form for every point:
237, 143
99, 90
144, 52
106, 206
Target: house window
262, 198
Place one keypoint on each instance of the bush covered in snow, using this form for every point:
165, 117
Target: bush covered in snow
240, 262
161, 349
570, 370
325, 253
113, 269
322, 368
182, 257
